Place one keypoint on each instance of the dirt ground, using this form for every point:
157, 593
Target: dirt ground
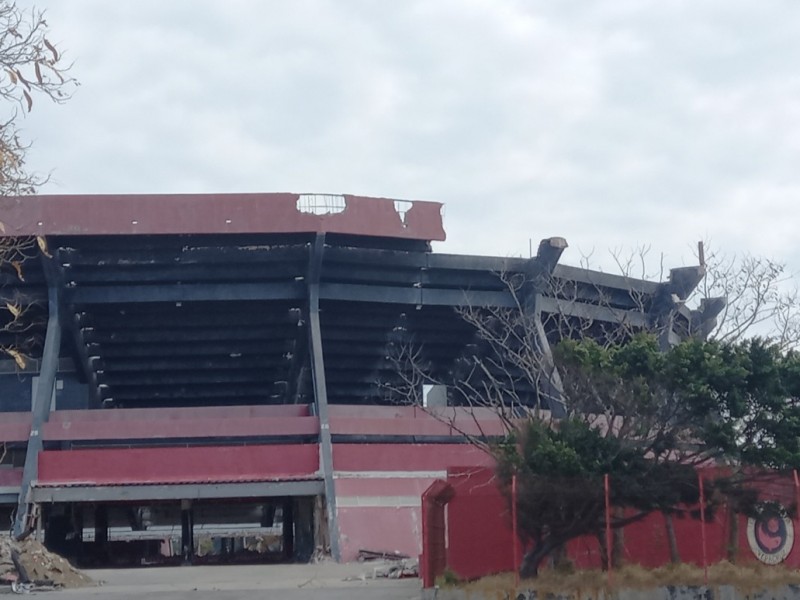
292, 582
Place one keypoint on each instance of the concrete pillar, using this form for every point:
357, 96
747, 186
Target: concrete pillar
187, 532
304, 528
77, 524
268, 515
288, 529
100, 531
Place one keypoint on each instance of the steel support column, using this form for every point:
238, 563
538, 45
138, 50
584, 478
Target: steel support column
40, 408
321, 391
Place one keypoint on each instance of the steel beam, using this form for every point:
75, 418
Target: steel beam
184, 350
187, 317
568, 308
196, 391
192, 292
160, 273
192, 377
200, 334
194, 491
40, 407
223, 250
22, 297
188, 363
321, 391
600, 279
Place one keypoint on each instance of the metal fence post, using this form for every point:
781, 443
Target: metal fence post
703, 525
609, 540
515, 540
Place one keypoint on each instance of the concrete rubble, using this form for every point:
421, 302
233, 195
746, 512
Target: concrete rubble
400, 569
27, 565
390, 569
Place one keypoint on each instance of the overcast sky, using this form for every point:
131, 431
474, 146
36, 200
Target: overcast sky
612, 124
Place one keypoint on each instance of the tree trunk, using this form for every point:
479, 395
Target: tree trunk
618, 540
533, 559
601, 540
669, 525
733, 535
560, 558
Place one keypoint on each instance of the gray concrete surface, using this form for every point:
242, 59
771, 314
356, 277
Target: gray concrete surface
292, 582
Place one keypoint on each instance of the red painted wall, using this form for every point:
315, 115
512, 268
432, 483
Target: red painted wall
378, 491
178, 465
180, 414
381, 528
406, 457
77, 428
480, 540
10, 477
15, 431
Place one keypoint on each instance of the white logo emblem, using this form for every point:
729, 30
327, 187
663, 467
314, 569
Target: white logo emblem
771, 535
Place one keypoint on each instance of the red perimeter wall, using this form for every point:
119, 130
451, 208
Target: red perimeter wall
480, 540
379, 489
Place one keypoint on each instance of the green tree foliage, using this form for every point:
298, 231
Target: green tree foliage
648, 418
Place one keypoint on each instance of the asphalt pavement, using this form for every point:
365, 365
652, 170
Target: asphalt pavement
291, 582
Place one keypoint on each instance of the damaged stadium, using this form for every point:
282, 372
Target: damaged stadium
204, 377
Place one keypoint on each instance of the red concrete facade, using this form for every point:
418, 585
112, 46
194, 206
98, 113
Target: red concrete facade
141, 214
201, 464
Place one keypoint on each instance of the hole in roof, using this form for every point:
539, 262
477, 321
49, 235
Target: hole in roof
321, 204
402, 207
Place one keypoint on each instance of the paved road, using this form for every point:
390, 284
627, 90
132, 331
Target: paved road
290, 582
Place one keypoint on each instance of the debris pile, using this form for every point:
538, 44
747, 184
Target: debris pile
29, 562
391, 565
364, 554
399, 569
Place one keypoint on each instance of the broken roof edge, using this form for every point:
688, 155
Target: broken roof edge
154, 214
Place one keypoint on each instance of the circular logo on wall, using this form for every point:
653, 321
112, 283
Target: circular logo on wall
771, 535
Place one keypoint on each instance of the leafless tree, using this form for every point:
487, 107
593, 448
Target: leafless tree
761, 294
30, 66
762, 297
